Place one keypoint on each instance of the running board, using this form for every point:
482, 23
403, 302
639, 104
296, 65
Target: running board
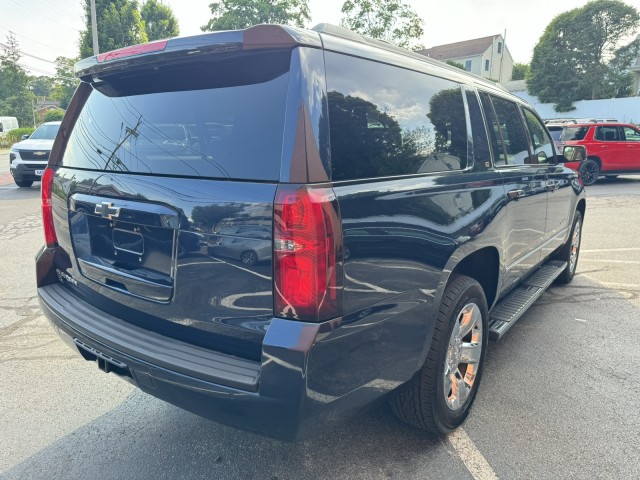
513, 306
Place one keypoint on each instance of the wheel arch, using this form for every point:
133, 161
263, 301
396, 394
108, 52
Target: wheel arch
595, 159
482, 265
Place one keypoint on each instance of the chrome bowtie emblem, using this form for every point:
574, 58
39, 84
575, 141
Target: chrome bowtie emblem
39, 154
107, 210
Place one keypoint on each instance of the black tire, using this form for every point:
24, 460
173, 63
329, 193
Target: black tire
249, 257
589, 171
571, 250
24, 183
422, 402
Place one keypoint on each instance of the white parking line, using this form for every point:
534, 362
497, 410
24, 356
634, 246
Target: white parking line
604, 260
601, 250
471, 456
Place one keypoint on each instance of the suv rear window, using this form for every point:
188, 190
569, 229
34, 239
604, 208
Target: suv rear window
570, 134
218, 117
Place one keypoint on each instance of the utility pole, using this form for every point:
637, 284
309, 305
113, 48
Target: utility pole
94, 27
504, 47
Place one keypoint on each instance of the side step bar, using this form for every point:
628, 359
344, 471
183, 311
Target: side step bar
513, 306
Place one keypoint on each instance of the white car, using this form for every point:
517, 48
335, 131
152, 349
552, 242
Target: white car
29, 158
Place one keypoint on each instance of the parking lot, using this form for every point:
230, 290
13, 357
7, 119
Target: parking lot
559, 397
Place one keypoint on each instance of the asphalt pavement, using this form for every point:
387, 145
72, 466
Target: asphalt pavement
559, 397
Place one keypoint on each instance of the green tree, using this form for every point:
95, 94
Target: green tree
42, 85
65, 81
236, 14
16, 100
119, 25
570, 62
53, 115
520, 71
456, 64
389, 20
159, 21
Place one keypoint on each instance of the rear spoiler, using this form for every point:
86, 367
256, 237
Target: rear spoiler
260, 36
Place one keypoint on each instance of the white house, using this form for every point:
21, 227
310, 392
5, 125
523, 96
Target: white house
488, 57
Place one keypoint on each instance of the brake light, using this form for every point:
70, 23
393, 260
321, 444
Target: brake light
132, 51
46, 188
307, 246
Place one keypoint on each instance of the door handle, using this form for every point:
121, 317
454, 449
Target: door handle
515, 194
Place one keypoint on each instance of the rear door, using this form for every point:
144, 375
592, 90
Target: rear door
524, 184
163, 167
631, 157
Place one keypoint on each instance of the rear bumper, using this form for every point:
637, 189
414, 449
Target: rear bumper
271, 397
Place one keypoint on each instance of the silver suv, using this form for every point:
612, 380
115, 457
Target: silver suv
29, 158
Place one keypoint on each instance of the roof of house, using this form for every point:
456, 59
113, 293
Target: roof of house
468, 48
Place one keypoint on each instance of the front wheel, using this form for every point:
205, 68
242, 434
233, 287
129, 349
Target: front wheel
590, 171
571, 251
439, 397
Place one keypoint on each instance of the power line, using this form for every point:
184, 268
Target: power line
58, 10
42, 15
35, 41
29, 55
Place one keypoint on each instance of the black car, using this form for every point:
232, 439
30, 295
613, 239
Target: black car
402, 212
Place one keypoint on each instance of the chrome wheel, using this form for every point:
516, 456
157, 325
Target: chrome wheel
463, 356
575, 246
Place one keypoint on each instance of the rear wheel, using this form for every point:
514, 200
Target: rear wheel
571, 250
589, 170
439, 397
24, 183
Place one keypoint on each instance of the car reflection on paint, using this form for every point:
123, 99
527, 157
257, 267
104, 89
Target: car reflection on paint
250, 244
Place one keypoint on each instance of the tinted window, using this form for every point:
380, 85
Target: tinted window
542, 142
607, 134
575, 134
631, 135
45, 132
507, 131
211, 118
387, 121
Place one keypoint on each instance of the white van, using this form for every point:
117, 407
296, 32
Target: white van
6, 124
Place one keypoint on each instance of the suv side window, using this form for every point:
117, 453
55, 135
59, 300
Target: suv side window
388, 121
542, 142
607, 134
631, 135
507, 133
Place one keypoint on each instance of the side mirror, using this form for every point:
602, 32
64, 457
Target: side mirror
573, 153
24, 137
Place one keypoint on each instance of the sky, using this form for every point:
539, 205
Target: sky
46, 29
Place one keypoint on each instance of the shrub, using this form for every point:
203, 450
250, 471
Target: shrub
14, 136
54, 115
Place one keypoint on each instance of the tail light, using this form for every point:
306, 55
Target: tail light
307, 251
46, 188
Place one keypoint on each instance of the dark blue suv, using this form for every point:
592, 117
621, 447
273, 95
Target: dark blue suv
274, 227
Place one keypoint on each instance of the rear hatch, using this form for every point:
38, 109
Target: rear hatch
163, 198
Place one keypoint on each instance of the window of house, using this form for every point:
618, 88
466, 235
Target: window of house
499, 47
486, 65
388, 121
467, 65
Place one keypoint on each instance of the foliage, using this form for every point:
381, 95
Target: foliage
453, 63
570, 60
119, 25
41, 86
65, 83
159, 21
15, 98
54, 115
389, 20
237, 14
520, 71
14, 136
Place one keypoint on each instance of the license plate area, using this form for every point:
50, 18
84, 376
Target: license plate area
39, 172
127, 246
